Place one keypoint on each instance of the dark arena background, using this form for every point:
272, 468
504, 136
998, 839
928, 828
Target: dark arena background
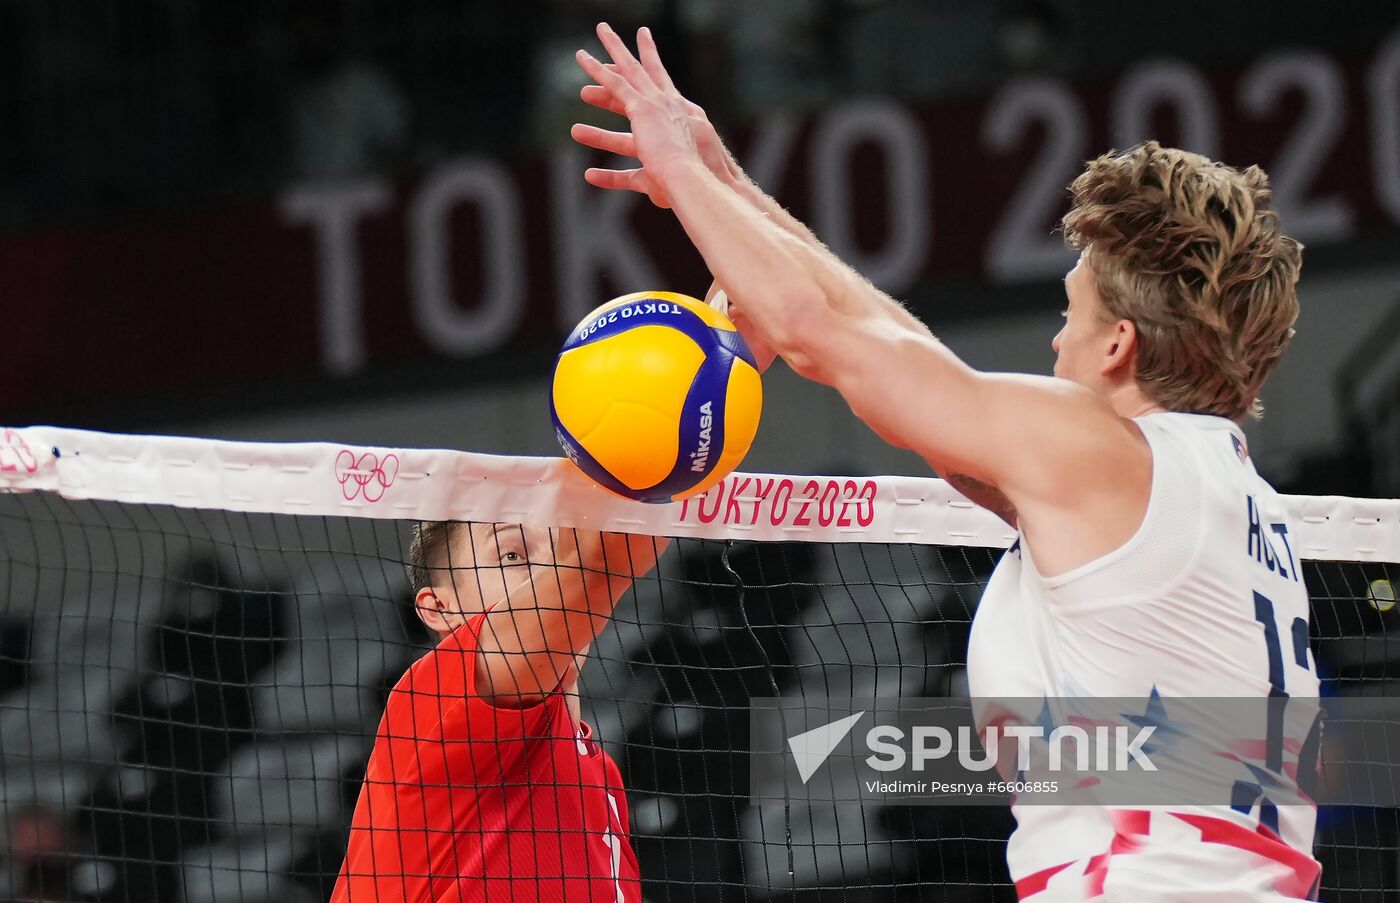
362, 222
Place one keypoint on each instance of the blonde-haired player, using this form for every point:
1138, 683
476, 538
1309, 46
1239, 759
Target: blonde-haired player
1152, 560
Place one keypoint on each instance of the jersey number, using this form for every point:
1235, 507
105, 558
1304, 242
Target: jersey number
1247, 793
614, 845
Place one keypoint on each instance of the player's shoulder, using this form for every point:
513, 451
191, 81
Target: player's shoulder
441, 669
1083, 440
1070, 417
1210, 445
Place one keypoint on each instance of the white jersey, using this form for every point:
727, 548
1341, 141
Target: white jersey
1205, 600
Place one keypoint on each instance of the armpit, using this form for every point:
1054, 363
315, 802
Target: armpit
987, 496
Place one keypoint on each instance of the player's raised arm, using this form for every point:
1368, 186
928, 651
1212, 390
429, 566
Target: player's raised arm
1041, 442
713, 154
722, 164
542, 595
530, 643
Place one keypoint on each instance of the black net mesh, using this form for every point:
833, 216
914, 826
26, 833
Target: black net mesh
188, 701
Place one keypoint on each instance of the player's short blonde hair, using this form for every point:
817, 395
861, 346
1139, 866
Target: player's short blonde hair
1191, 252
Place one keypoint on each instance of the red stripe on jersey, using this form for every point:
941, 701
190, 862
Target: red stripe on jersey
1128, 826
1095, 874
1036, 882
1131, 823
1305, 870
1258, 750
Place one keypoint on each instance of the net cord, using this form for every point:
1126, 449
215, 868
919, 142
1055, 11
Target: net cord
329, 479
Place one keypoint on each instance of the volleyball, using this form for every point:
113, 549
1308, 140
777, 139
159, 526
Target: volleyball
656, 396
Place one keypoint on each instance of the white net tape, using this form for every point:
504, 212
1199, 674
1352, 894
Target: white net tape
418, 484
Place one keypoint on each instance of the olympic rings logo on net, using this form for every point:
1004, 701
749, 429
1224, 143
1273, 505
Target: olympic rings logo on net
367, 475
15, 454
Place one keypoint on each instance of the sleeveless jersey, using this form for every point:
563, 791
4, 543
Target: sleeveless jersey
1204, 601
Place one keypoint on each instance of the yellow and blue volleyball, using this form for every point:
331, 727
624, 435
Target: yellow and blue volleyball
656, 396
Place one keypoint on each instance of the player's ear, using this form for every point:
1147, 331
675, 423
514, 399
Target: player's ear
431, 610
1121, 350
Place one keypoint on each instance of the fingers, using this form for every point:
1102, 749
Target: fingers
602, 98
618, 179
627, 65
620, 143
626, 180
613, 178
717, 299
651, 60
609, 78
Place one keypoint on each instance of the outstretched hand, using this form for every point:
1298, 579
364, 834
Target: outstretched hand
666, 127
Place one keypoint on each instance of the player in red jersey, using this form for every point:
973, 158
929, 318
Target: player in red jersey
484, 784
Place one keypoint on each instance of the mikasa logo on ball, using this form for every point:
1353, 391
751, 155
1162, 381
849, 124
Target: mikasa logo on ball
701, 456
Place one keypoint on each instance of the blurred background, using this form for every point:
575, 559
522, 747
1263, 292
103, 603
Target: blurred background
362, 221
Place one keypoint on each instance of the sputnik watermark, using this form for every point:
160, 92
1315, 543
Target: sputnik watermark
942, 751
810, 749
1107, 749
1113, 749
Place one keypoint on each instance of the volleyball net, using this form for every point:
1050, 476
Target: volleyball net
198, 638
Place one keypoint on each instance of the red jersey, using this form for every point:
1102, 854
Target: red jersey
466, 801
